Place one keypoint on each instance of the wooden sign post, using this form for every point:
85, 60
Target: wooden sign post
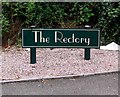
60, 38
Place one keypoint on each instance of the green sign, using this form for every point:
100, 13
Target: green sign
60, 38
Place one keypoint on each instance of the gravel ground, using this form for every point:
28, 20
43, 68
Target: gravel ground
56, 62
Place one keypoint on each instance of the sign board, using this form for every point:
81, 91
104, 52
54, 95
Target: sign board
61, 38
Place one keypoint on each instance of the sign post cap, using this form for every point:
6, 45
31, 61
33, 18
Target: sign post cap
87, 26
33, 26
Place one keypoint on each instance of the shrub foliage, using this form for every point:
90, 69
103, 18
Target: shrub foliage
103, 15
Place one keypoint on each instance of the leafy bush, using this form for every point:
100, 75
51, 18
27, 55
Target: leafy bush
108, 21
103, 15
5, 25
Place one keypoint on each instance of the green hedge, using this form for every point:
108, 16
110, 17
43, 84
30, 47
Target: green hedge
101, 15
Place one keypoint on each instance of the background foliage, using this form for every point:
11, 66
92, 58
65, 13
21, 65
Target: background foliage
103, 15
